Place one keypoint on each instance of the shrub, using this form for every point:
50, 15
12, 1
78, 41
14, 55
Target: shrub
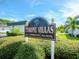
67, 49
44, 44
1, 41
48, 52
38, 49
64, 49
27, 51
14, 32
9, 51
47, 48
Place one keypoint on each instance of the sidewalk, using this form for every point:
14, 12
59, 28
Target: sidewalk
2, 35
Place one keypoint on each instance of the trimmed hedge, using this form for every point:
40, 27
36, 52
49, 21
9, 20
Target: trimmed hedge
9, 51
46, 45
67, 49
14, 32
27, 51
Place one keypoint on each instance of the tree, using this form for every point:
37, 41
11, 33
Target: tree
4, 21
71, 24
61, 29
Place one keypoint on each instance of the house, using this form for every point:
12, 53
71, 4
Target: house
19, 24
76, 31
4, 28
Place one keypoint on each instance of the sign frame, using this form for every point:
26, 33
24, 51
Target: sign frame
53, 38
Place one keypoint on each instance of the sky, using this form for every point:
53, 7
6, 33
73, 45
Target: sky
19, 10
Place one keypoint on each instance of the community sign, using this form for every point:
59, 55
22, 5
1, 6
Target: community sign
39, 27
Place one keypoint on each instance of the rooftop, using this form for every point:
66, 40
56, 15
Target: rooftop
17, 23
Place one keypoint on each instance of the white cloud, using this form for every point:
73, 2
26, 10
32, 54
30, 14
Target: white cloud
70, 9
30, 15
49, 15
34, 3
12, 19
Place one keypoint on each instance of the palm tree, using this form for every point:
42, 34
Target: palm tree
71, 24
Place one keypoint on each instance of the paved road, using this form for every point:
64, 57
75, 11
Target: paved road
2, 35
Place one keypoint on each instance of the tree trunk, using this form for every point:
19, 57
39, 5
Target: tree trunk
72, 33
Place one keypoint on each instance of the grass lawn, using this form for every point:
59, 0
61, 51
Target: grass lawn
12, 39
9, 40
66, 37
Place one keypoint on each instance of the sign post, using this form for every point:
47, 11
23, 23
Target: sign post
52, 49
42, 30
53, 43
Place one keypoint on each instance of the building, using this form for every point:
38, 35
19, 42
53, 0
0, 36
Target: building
4, 28
20, 25
76, 31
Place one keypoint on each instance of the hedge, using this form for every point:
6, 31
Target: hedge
14, 32
9, 51
64, 49
27, 51
67, 49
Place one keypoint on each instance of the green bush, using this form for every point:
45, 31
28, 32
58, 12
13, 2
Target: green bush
47, 48
9, 51
14, 32
44, 44
64, 49
38, 49
27, 51
48, 52
1, 41
67, 49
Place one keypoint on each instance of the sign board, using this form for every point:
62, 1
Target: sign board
39, 27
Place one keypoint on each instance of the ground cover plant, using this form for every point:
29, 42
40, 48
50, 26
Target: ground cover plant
16, 48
